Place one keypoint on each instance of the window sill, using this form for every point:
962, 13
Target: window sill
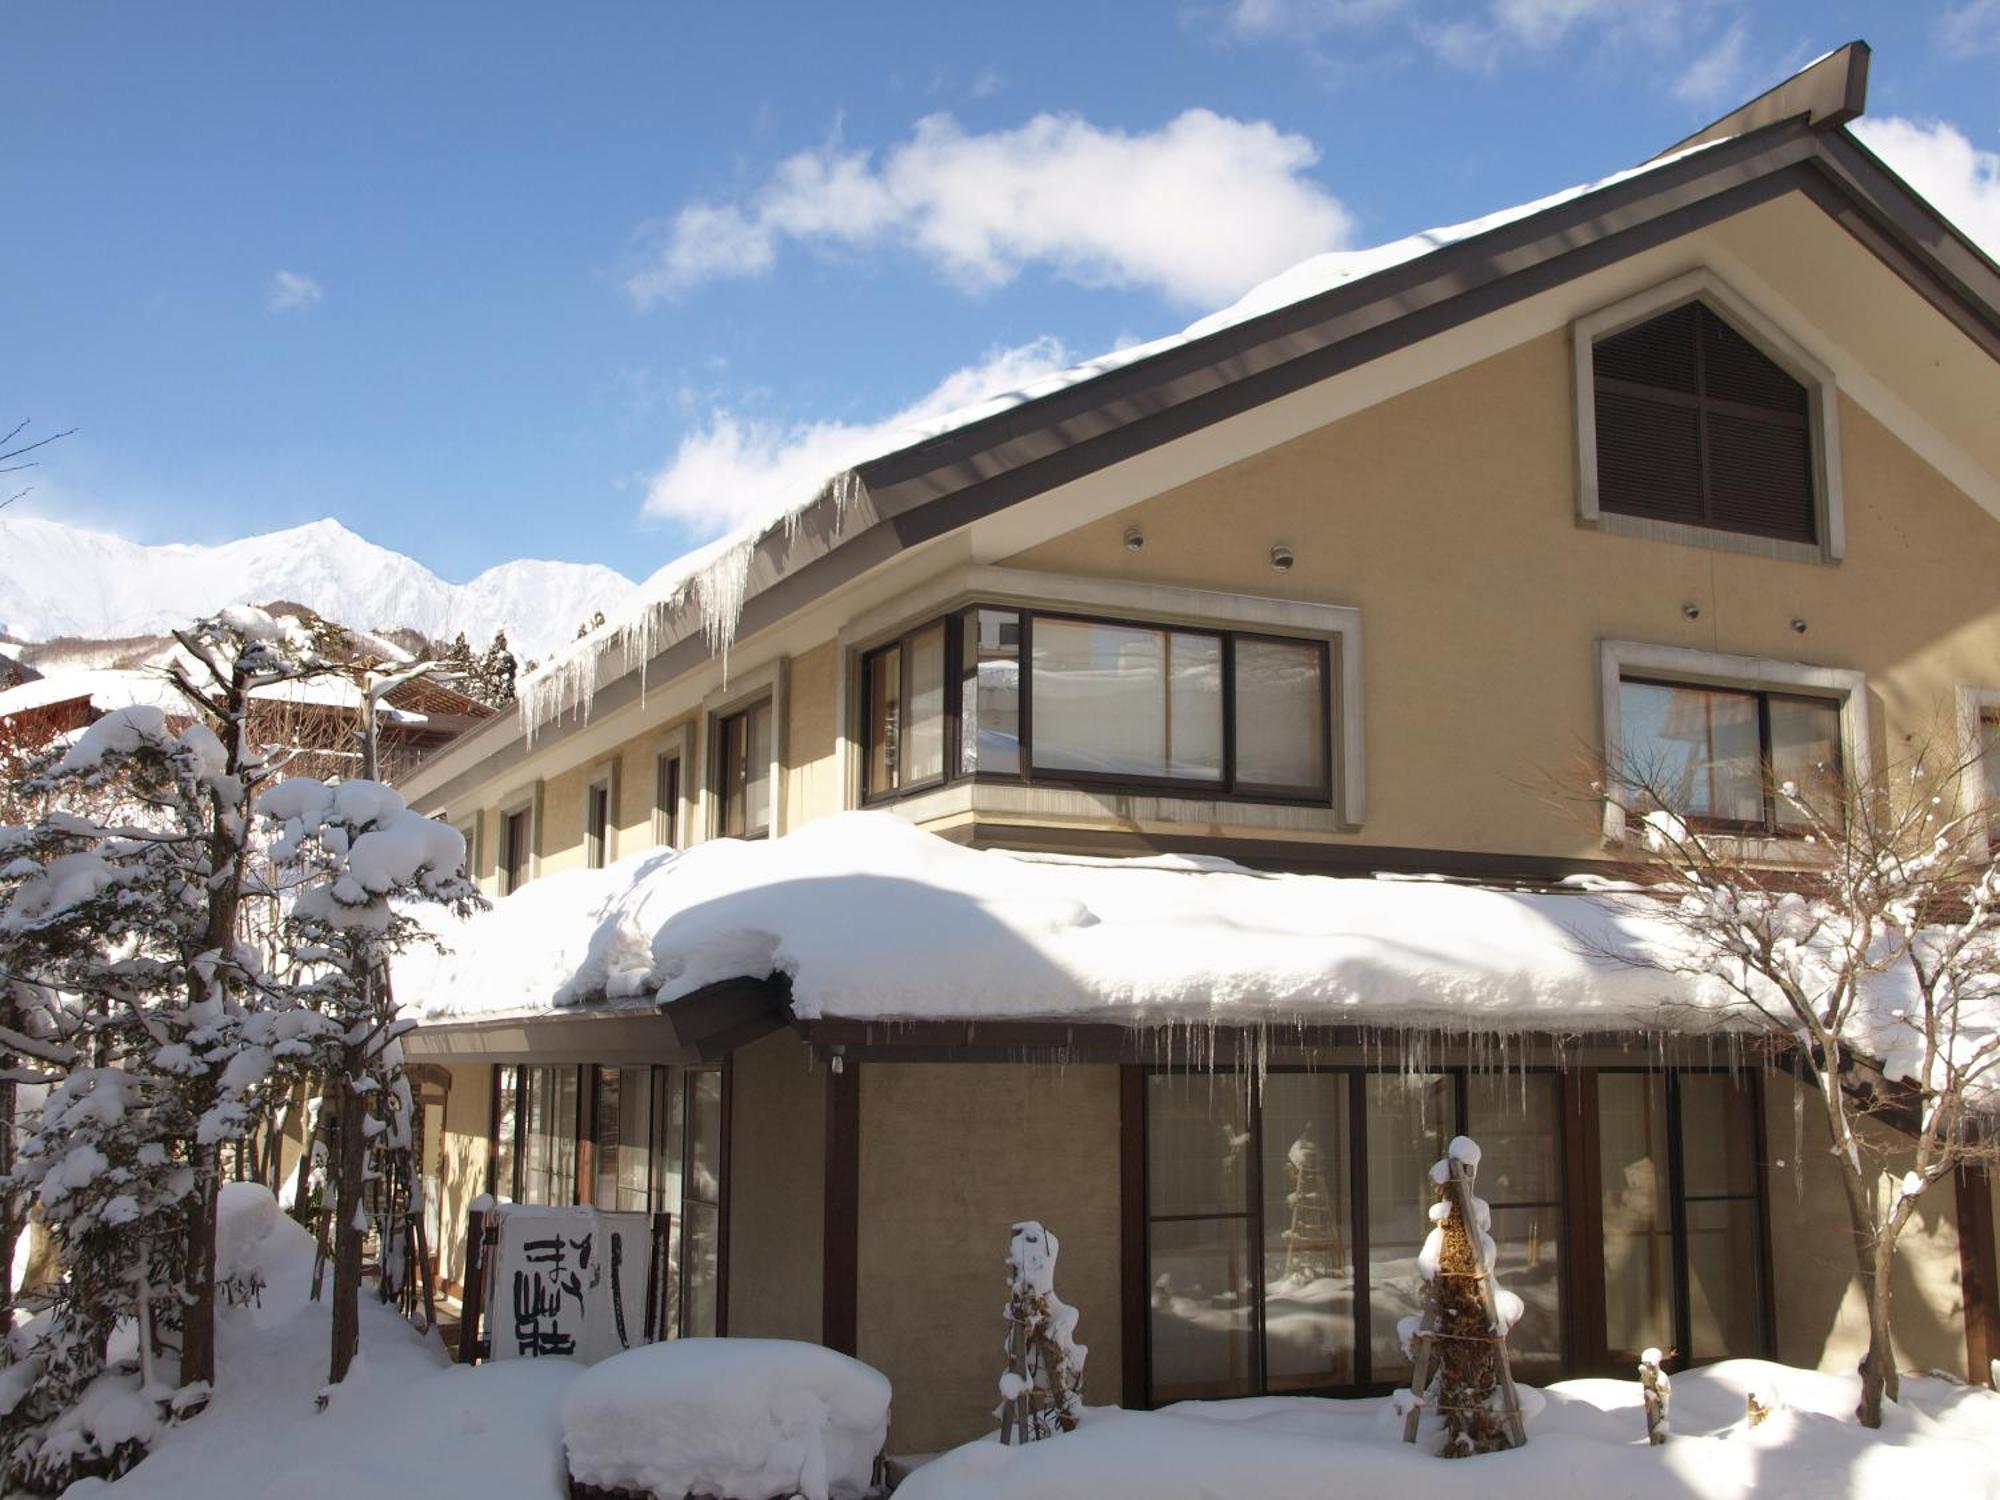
1616, 523
1019, 803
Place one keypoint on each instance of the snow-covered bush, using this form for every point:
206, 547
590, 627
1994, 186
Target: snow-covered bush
737, 1419
1041, 1390
1459, 1341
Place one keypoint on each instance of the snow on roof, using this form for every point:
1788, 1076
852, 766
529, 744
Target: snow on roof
712, 581
108, 690
871, 917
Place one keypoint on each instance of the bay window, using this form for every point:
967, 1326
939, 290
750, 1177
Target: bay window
1055, 699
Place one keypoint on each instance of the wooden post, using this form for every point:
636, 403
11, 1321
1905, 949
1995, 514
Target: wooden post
475, 1287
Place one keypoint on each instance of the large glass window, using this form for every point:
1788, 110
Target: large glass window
904, 686
1260, 1278
1723, 756
1682, 1221
658, 1139
743, 767
990, 693
1058, 699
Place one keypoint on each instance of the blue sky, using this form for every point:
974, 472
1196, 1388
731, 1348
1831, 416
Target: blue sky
492, 280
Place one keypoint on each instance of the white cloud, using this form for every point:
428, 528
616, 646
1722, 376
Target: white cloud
1971, 29
290, 290
735, 467
1199, 209
1720, 74
1961, 181
1261, 19
1479, 43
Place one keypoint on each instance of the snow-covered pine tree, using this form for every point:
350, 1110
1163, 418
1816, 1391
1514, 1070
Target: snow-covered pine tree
354, 859
134, 916
1041, 1390
492, 681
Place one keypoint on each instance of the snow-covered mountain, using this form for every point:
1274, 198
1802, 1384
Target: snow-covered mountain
58, 580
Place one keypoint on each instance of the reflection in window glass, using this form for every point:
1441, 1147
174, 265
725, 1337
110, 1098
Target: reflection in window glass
745, 745
701, 1204
1719, 1181
1697, 748
1638, 1236
1122, 700
1805, 752
990, 710
1410, 1117
548, 1151
1280, 715
1204, 1284
1308, 1236
884, 675
624, 1138
1517, 1120
506, 1130
923, 751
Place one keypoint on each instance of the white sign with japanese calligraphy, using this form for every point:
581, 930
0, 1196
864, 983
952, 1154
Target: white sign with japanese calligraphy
568, 1281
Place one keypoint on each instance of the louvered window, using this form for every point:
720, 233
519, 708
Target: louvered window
1697, 425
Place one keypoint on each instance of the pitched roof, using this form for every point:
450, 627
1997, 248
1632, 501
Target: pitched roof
1330, 314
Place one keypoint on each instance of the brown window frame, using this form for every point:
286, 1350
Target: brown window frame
871, 666
667, 799
722, 740
1139, 1221
1705, 407
1228, 787
513, 876
1767, 826
597, 823
663, 1078
1581, 1277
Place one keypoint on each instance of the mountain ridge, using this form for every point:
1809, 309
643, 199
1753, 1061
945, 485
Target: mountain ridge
60, 580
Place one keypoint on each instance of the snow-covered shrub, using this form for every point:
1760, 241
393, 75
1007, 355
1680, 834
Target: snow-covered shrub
736, 1419
1041, 1390
1460, 1338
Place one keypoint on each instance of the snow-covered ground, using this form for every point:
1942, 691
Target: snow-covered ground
1586, 1441
406, 1422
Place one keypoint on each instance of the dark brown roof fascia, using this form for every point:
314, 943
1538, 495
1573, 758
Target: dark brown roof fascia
1291, 856
1828, 94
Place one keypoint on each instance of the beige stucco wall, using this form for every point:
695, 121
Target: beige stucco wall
812, 783
1822, 1311
1446, 516
952, 1155
777, 1176
468, 1126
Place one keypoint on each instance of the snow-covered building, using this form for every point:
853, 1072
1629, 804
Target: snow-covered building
1124, 806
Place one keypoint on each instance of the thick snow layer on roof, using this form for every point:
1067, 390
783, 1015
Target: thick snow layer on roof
712, 580
871, 917
105, 690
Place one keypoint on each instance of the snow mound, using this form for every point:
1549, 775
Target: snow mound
742, 1418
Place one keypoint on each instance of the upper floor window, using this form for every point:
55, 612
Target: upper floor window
1052, 698
597, 824
1701, 421
743, 772
1723, 757
667, 800
516, 849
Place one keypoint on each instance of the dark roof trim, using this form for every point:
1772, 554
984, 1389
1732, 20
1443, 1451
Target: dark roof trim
1831, 92
927, 490
702, 1027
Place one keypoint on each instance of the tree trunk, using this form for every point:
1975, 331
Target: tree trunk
198, 1319
351, 1165
12, 1205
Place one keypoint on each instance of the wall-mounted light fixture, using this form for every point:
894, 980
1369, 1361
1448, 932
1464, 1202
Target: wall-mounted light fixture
1692, 610
1281, 558
1135, 539
1798, 627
